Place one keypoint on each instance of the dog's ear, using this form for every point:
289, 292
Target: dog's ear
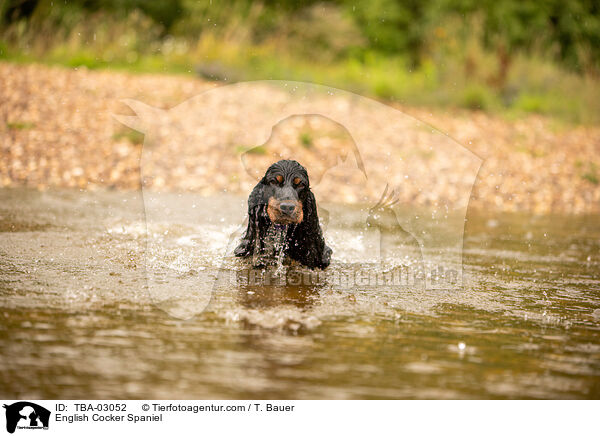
246, 245
257, 197
310, 207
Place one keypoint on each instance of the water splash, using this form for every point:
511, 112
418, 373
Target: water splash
280, 245
271, 250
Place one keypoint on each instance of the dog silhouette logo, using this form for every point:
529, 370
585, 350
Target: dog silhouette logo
26, 415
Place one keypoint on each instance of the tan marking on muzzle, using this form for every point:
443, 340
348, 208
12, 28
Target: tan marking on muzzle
277, 217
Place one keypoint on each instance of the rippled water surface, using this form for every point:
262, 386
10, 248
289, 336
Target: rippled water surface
91, 308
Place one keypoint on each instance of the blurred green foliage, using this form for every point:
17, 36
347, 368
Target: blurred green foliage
507, 55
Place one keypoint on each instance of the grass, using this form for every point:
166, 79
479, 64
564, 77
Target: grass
575, 100
591, 174
130, 135
476, 97
306, 139
20, 125
590, 177
260, 149
533, 152
534, 84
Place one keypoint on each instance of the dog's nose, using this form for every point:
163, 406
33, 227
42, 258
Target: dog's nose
287, 207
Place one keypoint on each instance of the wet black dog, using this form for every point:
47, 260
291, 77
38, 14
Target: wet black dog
282, 204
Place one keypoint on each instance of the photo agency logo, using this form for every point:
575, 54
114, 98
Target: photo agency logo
288, 184
24, 415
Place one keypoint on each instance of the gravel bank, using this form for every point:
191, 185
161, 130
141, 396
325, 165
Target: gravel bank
56, 130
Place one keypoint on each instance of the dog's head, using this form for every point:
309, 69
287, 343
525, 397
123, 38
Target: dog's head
286, 187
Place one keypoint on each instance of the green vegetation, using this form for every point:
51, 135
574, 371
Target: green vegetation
306, 139
20, 125
591, 174
507, 56
133, 136
591, 177
260, 149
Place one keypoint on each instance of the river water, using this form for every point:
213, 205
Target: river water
91, 309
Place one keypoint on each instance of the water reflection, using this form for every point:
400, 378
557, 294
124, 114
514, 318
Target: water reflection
260, 288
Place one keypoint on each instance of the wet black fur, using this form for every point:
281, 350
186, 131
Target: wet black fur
305, 242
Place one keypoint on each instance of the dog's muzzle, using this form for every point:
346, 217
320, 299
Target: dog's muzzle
285, 211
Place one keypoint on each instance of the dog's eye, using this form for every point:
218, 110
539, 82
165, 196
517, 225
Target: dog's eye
298, 182
277, 180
